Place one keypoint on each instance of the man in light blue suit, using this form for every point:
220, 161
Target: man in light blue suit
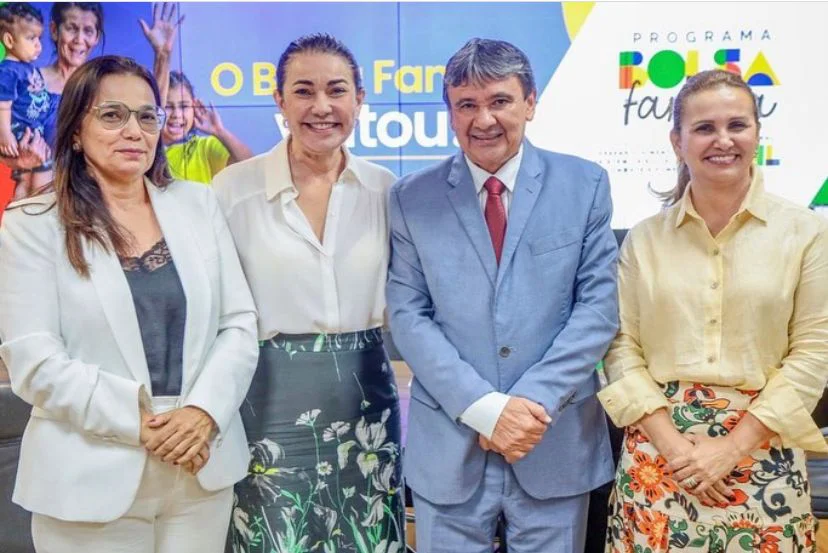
502, 299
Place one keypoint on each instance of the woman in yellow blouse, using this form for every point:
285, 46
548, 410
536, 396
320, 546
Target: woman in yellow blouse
723, 348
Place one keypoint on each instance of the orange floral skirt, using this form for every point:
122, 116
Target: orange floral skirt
651, 513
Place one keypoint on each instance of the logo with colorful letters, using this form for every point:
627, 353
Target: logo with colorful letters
668, 68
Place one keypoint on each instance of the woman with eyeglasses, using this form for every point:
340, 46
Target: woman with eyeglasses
127, 323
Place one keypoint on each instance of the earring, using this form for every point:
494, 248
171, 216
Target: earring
76, 147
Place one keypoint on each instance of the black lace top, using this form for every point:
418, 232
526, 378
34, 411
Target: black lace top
162, 311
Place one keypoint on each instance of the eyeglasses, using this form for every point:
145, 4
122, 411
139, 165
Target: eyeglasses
114, 115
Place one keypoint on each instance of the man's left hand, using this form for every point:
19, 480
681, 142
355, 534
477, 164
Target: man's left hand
486, 445
519, 429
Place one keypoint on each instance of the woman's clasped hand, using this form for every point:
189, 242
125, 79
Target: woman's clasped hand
181, 436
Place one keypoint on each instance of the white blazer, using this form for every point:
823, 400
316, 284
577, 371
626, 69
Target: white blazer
73, 350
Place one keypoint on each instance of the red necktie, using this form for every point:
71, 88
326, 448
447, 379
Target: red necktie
495, 214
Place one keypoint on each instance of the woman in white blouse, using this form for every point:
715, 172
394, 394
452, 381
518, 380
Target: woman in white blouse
322, 415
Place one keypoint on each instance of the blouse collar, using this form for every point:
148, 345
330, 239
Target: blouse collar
754, 202
278, 178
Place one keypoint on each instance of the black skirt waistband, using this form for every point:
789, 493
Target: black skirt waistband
324, 343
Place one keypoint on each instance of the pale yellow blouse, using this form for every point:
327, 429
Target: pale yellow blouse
748, 309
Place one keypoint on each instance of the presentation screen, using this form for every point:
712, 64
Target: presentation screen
606, 73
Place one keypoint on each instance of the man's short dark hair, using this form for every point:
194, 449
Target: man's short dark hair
483, 60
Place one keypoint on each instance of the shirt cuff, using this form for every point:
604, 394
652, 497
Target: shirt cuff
780, 408
482, 415
630, 398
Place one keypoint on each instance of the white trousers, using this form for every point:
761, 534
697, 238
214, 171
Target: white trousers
171, 513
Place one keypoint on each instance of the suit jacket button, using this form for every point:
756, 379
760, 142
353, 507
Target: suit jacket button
505, 351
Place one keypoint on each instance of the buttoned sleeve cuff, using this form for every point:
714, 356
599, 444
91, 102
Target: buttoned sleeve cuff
482, 415
628, 399
780, 408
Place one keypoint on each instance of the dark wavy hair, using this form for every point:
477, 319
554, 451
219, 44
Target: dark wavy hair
80, 202
58, 16
318, 43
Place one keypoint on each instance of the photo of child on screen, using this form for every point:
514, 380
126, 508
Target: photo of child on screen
24, 100
198, 144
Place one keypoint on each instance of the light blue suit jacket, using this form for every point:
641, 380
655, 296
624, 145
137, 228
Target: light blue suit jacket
533, 327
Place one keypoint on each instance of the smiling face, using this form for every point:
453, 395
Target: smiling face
320, 101
118, 156
718, 136
76, 36
180, 114
490, 120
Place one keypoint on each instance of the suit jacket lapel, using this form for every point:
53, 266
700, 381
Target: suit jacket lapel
464, 199
183, 246
527, 189
113, 291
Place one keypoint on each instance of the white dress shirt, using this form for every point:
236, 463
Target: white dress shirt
302, 285
482, 415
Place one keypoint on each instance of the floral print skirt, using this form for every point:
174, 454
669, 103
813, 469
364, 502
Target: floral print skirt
651, 513
323, 422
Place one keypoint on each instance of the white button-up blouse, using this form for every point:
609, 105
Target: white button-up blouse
299, 284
